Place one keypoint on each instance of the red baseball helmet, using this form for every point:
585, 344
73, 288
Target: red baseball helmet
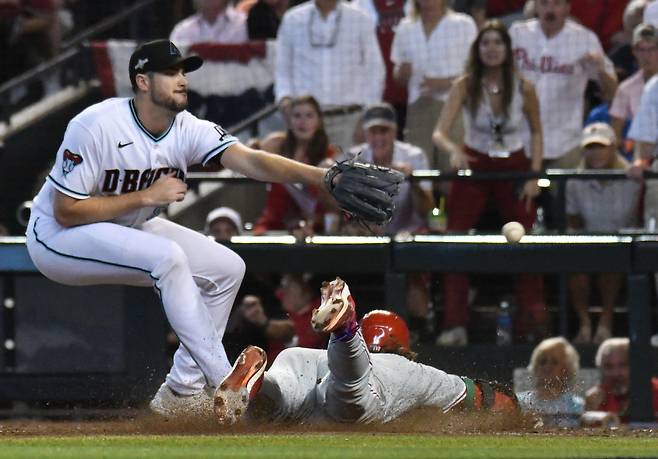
385, 331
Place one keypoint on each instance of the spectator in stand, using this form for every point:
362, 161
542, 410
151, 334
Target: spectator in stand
305, 141
298, 299
560, 56
387, 15
412, 203
215, 21
497, 102
603, 206
414, 199
223, 223
3, 230
603, 17
612, 393
644, 132
429, 51
554, 366
264, 19
622, 55
627, 97
30, 33
249, 324
329, 49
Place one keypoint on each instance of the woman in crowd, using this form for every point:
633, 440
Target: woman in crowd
554, 366
289, 207
496, 103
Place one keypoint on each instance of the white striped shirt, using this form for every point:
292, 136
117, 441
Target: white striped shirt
337, 60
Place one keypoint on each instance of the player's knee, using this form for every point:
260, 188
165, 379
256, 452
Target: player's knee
174, 257
236, 268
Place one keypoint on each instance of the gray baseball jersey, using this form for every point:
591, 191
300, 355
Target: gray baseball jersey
346, 383
107, 151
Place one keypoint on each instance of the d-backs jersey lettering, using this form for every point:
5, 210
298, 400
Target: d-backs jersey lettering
107, 151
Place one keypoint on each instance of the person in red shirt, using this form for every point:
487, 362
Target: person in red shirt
603, 17
305, 141
299, 298
612, 393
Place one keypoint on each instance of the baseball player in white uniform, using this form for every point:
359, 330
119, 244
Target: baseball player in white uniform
95, 220
365, 375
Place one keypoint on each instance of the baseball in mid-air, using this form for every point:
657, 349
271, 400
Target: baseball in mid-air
513, 231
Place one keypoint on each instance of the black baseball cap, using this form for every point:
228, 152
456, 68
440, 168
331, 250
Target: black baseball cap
382, 114
159, 55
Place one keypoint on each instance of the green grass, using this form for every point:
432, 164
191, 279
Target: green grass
339, 446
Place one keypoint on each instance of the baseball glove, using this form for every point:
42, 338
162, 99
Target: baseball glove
364, 191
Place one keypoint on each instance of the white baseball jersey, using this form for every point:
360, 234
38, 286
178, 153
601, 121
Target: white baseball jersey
644, 127
557, 67
346, 383
106, 151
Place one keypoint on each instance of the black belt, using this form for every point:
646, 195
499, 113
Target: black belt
344, 110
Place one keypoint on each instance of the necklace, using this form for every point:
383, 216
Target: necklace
492, 88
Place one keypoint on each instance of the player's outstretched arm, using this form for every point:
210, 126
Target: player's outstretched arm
268, 167
72, 212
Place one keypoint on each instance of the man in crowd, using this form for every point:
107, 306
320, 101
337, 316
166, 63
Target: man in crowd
412, 203
627, 98
612, 393
216, 21
559, 56
223, 223
329, 49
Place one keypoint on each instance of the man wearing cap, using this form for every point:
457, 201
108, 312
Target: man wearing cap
414, 200
95, 220
629, 92
223, 223
599, 206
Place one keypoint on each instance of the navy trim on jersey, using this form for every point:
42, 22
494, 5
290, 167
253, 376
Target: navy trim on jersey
50, 177
212, 153
131, 102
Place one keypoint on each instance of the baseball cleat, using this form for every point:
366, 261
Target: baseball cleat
240, 386
336, 309
169, 404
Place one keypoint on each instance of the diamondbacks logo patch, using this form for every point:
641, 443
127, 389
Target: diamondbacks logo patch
70, 161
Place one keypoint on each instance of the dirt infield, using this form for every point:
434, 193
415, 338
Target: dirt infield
422, 421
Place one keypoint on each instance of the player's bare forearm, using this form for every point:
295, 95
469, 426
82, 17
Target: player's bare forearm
268, 167
72, 212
